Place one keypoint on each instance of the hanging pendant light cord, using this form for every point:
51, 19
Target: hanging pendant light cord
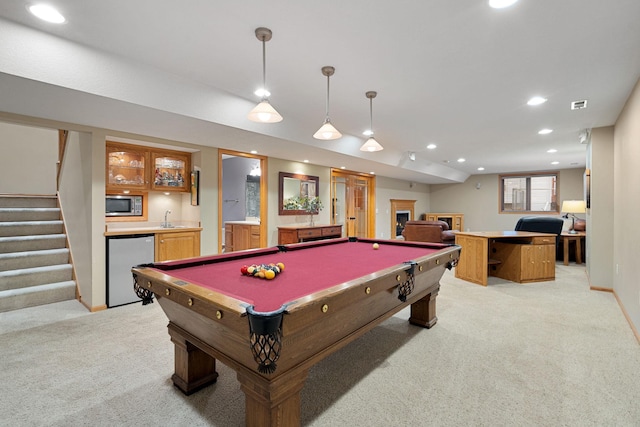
371, 114
326, 108
264, 70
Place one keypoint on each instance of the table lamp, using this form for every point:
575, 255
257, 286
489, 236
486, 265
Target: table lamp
572, 207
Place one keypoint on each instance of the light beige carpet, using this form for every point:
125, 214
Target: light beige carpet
543, 354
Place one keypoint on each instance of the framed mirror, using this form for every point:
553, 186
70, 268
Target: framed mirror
293, 190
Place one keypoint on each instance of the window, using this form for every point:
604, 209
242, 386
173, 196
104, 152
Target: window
522, 193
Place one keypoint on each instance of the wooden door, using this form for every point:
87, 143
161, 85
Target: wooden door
353, 202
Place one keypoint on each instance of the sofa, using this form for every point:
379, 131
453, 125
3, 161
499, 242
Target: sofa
428, 231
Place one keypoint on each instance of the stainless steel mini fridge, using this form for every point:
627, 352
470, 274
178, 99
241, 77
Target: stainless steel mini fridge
124, 252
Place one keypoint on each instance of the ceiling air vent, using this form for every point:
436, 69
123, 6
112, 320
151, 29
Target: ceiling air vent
579, 105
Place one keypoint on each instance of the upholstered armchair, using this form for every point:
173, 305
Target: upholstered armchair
428, 231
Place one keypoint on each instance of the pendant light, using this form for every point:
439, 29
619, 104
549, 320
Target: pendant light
327, 131
264, 112
371, 144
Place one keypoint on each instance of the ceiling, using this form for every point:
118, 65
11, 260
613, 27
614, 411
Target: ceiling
454, 73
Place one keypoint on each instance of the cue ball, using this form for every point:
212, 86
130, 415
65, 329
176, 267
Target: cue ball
376, 246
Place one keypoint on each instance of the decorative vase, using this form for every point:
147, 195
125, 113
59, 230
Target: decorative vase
311, 219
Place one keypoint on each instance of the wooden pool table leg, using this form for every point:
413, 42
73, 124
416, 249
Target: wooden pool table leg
194, 369
272, 403
423, 311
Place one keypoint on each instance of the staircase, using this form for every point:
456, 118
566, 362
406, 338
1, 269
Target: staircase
35, 265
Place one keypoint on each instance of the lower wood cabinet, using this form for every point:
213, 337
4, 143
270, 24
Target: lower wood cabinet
524, 262
241, 236
297, 234
177, 245
455, 220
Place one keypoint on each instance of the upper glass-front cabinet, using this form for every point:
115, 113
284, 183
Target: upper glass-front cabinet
126, 167
134, 167
171, 171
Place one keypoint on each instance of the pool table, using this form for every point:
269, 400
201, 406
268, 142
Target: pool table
271, 332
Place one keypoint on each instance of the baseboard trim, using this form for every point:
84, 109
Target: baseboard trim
596, 288
626, 316
93, 309
98, 308
624, 311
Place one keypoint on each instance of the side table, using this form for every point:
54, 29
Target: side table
566, 240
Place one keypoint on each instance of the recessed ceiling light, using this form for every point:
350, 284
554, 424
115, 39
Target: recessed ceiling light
372, 173
462, 160
536, 100
499, 4
480, 168
343, 167
253, 152
555, 163
431, 146
47, 13
367, 132
545, 131
306, 161
552, 150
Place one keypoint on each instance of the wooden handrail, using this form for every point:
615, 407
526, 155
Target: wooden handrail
63, 135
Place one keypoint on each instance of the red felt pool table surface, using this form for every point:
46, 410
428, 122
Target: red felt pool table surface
307, 270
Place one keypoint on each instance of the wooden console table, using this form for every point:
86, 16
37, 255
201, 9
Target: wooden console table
518, 256
302, 233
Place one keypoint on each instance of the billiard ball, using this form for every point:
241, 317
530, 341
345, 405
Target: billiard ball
376, 246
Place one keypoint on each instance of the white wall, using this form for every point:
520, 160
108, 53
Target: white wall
206, 160
275, 220
389, 188
480, 206
386, 189
600, 224
79, 203
626, 206
29, 156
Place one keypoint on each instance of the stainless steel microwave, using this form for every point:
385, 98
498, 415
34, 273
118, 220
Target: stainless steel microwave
116, 205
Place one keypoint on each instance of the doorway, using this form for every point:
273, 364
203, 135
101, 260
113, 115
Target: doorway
242, 196
353, 202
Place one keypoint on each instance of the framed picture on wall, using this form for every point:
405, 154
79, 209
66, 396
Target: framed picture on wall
195, 188
587, 188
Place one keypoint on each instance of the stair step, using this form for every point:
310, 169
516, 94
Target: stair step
32, 243
29, 214
24, 228
24, 278
30, 259
34, 259
48, 293
12, 201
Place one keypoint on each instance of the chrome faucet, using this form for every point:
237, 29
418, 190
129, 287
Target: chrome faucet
166, 222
